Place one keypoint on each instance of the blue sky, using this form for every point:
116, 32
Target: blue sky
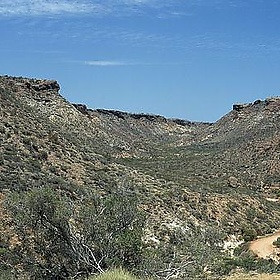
189, 59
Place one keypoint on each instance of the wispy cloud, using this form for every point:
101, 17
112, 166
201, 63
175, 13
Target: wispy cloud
43, 7
85, 32
92, 7
160, 8
115, 63
105, 63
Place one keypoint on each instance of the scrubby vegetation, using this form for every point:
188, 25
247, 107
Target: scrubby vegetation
56, 237
85, 191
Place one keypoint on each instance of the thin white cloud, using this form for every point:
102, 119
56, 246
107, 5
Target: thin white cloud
126, 63
160, 8
92, 7
105, 63
45, 7
115, 63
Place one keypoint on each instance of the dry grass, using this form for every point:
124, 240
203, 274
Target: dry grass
254, 277
116, 274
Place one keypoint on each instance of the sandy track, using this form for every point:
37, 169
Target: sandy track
263, 246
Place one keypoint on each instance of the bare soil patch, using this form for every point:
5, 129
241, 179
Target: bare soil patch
263, 247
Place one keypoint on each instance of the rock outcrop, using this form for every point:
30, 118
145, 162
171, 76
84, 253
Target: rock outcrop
19, 84
257, 104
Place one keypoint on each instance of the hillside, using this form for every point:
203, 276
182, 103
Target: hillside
199, 186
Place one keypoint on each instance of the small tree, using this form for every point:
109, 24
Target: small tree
61, 238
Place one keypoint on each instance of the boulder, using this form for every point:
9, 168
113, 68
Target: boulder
43, 85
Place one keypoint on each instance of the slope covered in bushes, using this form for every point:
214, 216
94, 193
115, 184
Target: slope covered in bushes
83, 191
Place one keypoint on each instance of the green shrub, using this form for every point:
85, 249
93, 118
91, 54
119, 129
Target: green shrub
249, 234
6, 274
60, 237
277, 242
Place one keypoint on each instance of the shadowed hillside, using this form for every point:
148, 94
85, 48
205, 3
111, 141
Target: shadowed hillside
197, 187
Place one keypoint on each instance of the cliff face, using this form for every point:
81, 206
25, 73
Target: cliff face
184, 174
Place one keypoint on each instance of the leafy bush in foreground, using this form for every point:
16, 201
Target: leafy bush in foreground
59, 238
